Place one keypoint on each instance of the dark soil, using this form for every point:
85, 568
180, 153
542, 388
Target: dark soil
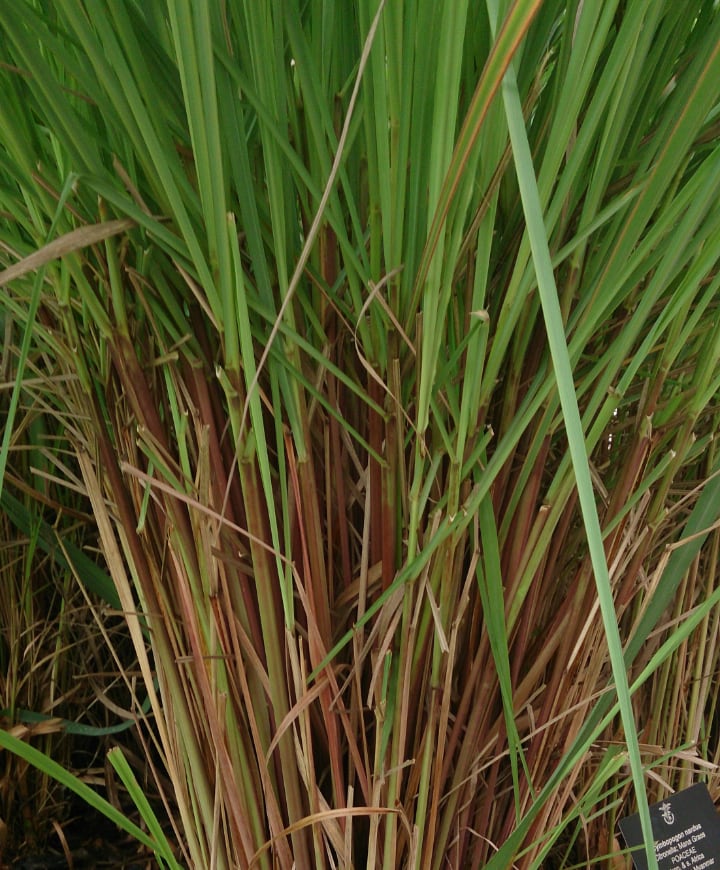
91, 841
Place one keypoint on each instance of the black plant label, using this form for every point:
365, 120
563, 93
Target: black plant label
686, 832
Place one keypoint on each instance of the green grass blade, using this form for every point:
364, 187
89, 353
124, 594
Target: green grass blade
576, 438
124, 771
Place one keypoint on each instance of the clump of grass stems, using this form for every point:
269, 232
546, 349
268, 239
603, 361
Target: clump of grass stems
388, 335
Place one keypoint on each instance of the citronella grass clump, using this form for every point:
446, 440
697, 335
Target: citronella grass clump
392, 341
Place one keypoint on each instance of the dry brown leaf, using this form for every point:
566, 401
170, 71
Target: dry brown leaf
75, 240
